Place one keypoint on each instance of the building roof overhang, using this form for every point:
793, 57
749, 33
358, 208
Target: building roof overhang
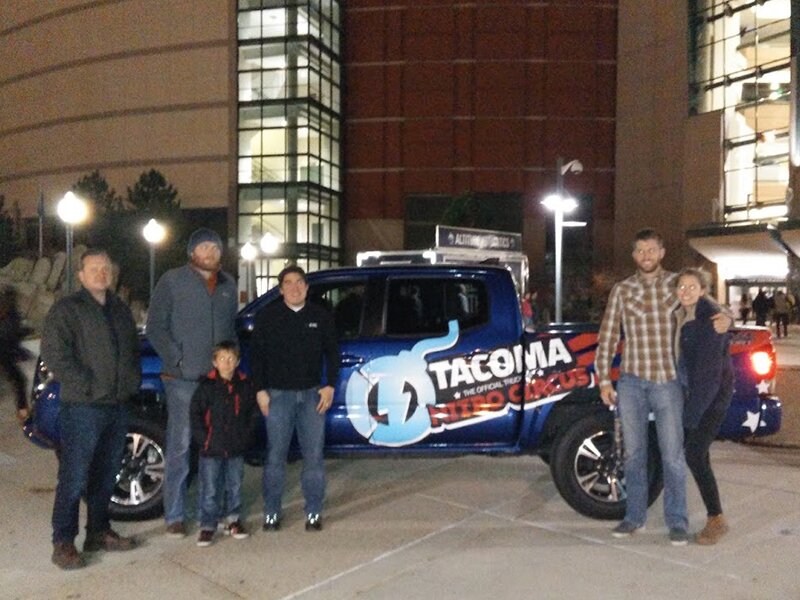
748, 249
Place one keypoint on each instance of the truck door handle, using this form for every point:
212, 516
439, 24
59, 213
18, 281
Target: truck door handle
351, 360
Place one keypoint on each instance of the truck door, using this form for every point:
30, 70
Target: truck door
437, 369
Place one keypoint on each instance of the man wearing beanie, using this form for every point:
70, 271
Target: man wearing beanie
193, 308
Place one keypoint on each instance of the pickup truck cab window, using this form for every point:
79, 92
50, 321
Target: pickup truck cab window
345, 301
424, 306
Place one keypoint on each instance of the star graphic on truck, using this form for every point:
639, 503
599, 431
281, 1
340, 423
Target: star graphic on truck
753, 422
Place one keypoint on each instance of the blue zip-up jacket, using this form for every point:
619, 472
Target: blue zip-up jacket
704, 366
185, 321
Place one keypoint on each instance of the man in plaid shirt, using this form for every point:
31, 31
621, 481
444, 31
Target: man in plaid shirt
642, 307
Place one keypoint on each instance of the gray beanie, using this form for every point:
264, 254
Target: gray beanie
203, 235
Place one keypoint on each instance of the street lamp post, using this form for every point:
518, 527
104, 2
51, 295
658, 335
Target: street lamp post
248, 254
269, 246
71, 210
561, 204
154, 233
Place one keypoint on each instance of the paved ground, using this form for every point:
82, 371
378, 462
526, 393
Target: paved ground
462, 528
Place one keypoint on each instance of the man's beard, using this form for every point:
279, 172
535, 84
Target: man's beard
205, 267
651, 269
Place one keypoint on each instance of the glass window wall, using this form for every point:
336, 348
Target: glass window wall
289, 76
740, 65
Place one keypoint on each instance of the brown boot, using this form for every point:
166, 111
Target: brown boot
715, 528
108, 540
65, 556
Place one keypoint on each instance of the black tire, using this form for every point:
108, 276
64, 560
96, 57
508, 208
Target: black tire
585, 472
139, 490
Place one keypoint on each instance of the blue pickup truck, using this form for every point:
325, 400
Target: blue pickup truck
435, 361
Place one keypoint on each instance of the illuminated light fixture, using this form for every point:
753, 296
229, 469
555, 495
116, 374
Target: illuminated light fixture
249, 252
153, 233
72, 210
269, 243
559, 204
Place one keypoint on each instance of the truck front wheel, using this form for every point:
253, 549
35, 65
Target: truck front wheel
585, 471
139, 489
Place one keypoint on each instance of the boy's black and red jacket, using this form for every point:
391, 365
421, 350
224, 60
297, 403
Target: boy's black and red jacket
223, 415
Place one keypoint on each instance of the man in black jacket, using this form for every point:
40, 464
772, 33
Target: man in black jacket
291, 340
90, 345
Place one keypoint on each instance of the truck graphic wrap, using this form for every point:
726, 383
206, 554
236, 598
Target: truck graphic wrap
398, 400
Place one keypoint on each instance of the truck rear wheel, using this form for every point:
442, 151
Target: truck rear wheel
586, 474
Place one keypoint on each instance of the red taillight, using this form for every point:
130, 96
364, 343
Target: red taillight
763, 363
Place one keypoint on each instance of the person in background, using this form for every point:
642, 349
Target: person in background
781, 310
193, 308
526, 307
761, 307
91, 346
223, 407
12, 332
706, 374
744, 307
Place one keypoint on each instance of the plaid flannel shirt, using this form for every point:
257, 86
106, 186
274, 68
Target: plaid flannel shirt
643, 310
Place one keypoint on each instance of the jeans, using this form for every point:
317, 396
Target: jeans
698, 444
637, 399
92, 446
179, 438
220, 493
290, 411
782, 319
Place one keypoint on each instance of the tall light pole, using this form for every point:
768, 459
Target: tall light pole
561, 204
269, 246
154, 233
71, 210
248, 254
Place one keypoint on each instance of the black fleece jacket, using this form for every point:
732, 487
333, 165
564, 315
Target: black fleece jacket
288, 348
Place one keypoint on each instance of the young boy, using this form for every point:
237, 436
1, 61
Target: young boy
222, 414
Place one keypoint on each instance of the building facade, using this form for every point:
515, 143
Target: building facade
705, 105
327, 127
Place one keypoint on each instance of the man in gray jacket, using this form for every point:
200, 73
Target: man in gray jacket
90, 344
193, 308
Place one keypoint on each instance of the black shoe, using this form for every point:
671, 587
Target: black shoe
313, 522
205, 538
271, 523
